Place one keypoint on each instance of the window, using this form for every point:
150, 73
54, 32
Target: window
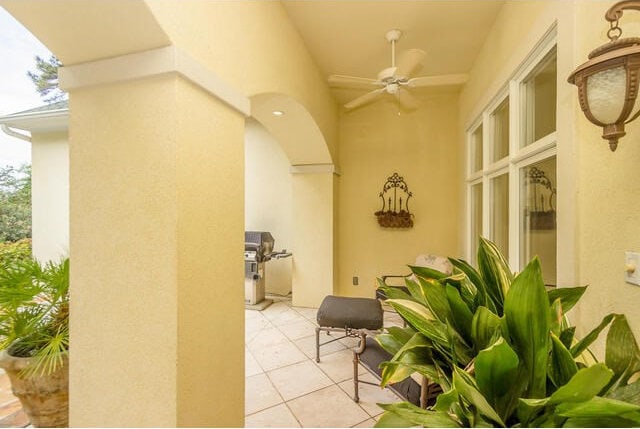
500, 119
476, 217
538, 219
539, 101
500, 212
476, 149
512, 158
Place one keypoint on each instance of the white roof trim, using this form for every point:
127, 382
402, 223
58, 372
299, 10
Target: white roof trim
39, 121
154, 62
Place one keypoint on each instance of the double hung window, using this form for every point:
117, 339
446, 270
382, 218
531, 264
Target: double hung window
511, 169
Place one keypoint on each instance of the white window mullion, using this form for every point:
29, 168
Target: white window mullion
486, 156
514, 180
514, 218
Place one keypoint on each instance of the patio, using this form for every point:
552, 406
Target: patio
285, 387
11, 414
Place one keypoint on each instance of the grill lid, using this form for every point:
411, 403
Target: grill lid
259, 241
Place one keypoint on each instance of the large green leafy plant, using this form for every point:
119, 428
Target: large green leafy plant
34, 313
504, 353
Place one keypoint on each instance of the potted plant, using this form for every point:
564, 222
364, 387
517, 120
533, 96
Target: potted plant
34, 337
504, 353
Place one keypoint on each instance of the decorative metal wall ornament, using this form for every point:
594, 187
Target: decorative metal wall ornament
395, 197
540, 205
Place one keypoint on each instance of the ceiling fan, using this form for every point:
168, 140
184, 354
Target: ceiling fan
395, 80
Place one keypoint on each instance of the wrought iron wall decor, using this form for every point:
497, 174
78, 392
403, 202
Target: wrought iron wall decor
540, 209
395, 197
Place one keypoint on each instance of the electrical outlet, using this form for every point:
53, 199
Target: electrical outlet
355, 280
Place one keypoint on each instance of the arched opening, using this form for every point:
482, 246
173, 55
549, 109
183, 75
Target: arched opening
281, 140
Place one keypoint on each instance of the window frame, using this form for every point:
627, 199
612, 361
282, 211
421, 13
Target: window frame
518, 158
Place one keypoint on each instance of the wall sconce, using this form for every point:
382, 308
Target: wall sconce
608, 82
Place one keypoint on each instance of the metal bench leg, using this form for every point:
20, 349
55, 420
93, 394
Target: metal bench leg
318, 344
356, 398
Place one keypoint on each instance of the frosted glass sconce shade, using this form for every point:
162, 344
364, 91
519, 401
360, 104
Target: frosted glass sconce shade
606, 91
608, 82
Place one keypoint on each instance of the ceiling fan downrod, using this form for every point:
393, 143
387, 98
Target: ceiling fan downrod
392, 37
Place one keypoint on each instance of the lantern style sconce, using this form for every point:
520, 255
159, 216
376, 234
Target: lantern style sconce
608, 82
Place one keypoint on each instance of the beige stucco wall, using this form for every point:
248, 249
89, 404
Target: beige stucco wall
609, 194
422, 147
268, 200
50, 195
147, 237
313, 240
123, 208
596, 204
151, 235
210, 239
253, 46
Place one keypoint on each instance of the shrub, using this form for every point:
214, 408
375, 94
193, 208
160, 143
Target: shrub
504, 353
11, 252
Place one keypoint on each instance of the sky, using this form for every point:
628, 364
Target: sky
18, 47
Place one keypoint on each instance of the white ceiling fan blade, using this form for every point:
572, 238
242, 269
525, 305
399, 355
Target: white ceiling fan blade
441, 80
406, 100
364, 99
341, 81
410, 62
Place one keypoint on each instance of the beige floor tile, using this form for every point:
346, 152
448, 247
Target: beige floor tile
274, 417
277, 356
287, 317
338, 366
370, 395
307, 313
259, 394
392, 319
298, 329
366, 424
252, 314
254, 326
350, 342
329, 407
308, 346
267, 337
251, 366
299, 379
275, 309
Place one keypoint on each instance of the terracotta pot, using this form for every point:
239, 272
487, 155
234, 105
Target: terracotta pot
45, 399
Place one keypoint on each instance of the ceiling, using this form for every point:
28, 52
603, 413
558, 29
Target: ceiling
348, 36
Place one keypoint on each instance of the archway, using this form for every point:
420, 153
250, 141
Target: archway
306, 207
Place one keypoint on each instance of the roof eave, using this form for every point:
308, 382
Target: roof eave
48, 121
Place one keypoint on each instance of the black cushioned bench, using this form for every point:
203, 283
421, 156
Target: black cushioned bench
370, 355
347, 315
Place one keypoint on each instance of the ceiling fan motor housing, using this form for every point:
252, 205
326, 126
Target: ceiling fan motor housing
392, 88
387, 75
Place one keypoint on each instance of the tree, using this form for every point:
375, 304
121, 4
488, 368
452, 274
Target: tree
15, 203
45, 78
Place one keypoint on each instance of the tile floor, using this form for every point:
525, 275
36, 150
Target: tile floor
11, 414
284, 385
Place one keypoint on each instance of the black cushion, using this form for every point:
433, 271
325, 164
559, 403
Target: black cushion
354, 313
374, 355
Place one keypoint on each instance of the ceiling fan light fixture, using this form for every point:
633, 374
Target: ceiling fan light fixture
396, 80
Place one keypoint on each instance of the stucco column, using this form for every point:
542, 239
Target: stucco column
314, 270
156, 225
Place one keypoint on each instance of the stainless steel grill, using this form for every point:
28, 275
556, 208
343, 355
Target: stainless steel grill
258, 249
